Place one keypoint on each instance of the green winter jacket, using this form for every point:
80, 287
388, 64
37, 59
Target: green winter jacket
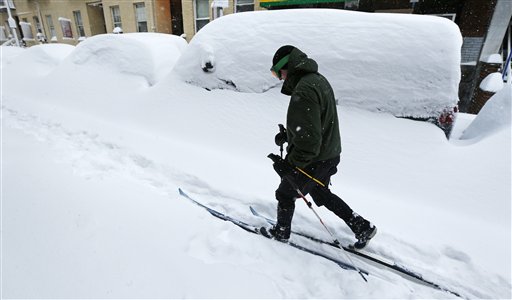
312, 120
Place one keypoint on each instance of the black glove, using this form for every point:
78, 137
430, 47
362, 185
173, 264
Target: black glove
281, 137
281, 166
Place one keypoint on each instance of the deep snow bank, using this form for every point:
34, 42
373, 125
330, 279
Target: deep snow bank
150, 55
9, 53
494, 116
39, 59
104, 164
407, 65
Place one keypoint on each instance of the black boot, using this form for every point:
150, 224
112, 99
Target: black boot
363, 230
281, 231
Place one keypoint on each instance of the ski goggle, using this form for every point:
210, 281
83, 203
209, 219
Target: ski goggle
276, 69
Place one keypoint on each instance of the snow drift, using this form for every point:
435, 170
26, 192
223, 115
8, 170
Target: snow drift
40, 59
9, 53
493, 117
104, 161
407, 65
492, 83
150, 55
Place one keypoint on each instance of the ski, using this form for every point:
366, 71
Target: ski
256, 230
371, 257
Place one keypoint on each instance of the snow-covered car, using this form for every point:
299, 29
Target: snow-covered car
406, 65
148, 55
39, 59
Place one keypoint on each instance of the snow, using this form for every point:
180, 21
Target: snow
494, 59
494, 116
131, 53
39, 59
492, 83
371, 59
90, 178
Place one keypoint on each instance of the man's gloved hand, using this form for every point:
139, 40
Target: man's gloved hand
281, 137
281, 166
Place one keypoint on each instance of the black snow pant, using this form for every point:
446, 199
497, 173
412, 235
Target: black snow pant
322, 171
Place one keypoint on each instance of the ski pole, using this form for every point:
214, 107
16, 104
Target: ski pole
308, 203
275, 159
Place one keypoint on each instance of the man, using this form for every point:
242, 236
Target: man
314, 145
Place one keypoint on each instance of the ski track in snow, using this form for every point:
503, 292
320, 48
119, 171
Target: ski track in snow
90, 156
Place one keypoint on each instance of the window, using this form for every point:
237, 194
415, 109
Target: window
202, 12
49, 21
79, 24
26, 30
65, 24
3, 3
39, 28
140, 17
244, 5
116, 16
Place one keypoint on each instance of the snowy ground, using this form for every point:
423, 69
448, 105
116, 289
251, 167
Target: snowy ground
90, 204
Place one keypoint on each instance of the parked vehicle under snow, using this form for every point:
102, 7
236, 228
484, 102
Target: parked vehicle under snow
379, 62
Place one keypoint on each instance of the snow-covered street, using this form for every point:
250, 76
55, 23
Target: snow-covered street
93, 154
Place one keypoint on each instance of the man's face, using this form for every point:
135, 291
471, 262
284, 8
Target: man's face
281, 75
284, 73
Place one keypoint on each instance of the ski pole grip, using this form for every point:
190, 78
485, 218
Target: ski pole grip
274, 157
281, 128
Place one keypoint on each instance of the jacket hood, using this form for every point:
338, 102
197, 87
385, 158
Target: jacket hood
299, 64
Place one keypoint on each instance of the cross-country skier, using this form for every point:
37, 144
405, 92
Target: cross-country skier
314, 145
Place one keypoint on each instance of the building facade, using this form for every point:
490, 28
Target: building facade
198, 13
72, 21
